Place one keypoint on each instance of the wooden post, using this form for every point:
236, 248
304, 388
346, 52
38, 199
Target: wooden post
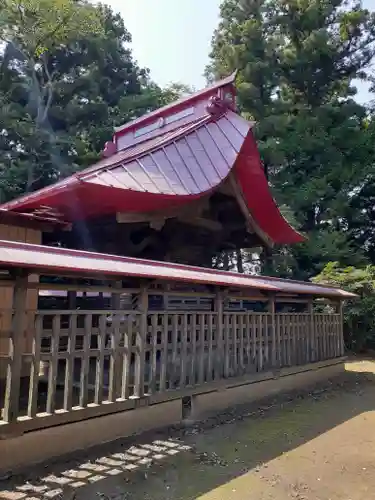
72, 300
139, 382
12, 390
275, 348
219, 365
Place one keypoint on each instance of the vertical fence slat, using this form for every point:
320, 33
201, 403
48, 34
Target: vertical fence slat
248, 341
85, 362
183, 350
226, 346
52, 372
311, 328
260, 342
220, 345
139, 381
253, 342
127, 357
339, 331
201, 359
174, 372
164, 353
324, 338
279, 360
241, 346
154, 352
210, 333
34, 373
274, 346
193, 349
114, 358
69, 366
234, 338
99, 371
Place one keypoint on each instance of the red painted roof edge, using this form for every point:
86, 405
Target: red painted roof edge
175, 105
80, 176
269, 283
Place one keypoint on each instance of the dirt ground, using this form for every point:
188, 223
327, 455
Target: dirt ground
316, 446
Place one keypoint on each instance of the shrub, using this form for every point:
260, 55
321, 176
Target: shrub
359, 313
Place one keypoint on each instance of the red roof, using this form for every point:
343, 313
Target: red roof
53, 260
189, 155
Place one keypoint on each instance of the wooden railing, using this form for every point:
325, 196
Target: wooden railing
100, 361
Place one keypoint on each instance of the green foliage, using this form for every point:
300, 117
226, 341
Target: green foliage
297, 61
37, 26
58, 110
359, 313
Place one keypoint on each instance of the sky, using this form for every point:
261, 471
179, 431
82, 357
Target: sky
172, 37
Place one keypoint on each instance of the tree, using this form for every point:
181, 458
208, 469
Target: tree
31, 29
297, 60
87, 83
360, 211
359, 313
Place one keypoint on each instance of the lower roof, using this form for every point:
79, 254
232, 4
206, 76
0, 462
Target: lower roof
31, 221
53, 260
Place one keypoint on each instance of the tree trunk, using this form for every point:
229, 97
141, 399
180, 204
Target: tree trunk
226, 261
239, 261
267, 262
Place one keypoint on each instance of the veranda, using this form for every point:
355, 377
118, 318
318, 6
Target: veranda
156, 332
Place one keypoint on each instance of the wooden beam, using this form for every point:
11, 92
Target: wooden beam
194, 208
209, 224
226, 188
251, 223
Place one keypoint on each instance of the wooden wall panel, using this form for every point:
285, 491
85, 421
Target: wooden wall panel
27, 235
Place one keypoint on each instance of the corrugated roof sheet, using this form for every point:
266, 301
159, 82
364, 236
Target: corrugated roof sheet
59, 260
188, 161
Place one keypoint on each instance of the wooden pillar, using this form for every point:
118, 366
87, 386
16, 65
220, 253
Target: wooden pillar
219, 365
275, 355
16, 340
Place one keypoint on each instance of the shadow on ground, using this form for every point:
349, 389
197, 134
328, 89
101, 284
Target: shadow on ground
187, 462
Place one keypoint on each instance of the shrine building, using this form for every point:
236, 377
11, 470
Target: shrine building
179, 184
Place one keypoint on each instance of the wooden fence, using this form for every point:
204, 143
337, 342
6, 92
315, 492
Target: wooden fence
101, 361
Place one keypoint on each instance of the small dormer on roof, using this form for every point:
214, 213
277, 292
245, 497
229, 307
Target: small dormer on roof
213, 100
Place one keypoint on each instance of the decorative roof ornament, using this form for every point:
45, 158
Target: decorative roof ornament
109, 149
217, 105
